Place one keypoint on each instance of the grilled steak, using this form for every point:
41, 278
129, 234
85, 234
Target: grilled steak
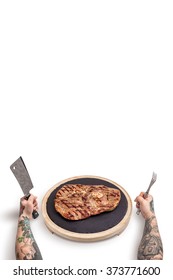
77, 201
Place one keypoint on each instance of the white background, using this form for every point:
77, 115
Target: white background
86, 89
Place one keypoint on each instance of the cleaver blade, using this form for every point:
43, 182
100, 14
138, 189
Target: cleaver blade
21, 173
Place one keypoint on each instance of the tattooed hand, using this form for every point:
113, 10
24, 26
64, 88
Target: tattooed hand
26, 246
150, 247
27, 206
146, 205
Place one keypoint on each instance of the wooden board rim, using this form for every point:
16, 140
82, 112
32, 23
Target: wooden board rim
86, 237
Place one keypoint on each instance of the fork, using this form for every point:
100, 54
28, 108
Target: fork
153, 180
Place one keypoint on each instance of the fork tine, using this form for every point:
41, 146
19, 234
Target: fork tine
154, 177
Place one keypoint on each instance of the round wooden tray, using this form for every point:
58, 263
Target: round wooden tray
98, 227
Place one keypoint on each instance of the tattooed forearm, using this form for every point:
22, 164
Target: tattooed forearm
151, 247
26, 247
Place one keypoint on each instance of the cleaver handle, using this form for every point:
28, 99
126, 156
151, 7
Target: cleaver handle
34, 213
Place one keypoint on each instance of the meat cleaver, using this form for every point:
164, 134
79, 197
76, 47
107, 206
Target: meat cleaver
21, 173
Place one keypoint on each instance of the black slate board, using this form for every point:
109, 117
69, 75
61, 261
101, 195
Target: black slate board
93, 224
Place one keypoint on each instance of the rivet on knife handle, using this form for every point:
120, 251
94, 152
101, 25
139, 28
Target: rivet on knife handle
21, 173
